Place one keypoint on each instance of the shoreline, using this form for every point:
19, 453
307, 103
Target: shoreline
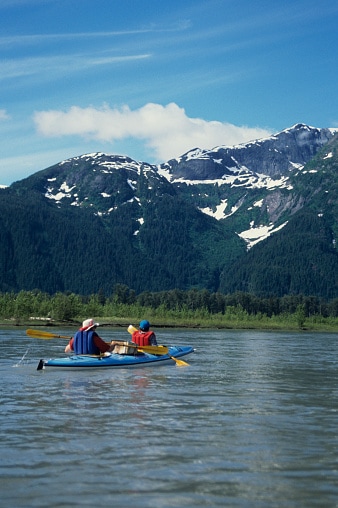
266, 326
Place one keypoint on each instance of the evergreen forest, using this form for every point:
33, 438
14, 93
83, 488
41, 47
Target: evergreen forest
192, 308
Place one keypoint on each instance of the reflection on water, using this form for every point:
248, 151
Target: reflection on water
252, 422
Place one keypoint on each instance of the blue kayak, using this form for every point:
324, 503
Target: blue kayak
114, 360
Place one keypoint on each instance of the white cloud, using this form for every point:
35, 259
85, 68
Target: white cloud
47, 67
4, 115
166, 130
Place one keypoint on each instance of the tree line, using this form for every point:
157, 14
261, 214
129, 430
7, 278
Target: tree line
125, 302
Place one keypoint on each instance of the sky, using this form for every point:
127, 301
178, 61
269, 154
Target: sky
152, 79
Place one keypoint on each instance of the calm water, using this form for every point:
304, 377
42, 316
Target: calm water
251, 423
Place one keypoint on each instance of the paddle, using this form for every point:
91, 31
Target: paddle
180, 363
38, 334
153, 350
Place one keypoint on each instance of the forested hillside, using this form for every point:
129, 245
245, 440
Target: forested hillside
94, 221
70, 249
300, 259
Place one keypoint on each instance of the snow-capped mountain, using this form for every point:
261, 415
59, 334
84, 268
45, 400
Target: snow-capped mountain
185, 222
251, 176
255, 176
244, 164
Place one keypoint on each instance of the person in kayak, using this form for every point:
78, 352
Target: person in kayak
87, 342
144, 336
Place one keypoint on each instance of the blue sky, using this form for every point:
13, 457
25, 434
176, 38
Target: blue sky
152, 79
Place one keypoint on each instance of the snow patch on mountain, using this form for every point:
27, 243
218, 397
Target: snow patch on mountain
63, 192
109, 163
256, 234
219, 212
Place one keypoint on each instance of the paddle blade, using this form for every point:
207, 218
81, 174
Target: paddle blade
153, 350
180, 363
38, 334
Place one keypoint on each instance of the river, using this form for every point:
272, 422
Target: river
251, 422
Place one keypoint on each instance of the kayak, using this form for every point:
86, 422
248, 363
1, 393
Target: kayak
115, 360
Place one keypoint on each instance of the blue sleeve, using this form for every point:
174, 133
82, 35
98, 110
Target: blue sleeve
152, 340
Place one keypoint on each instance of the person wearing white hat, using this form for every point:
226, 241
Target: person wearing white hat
86, 341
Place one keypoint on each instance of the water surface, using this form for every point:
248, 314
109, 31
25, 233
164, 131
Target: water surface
252, 422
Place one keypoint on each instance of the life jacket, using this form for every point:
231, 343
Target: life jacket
142, 338
84, 343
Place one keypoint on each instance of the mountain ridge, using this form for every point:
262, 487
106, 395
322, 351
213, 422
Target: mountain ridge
159, 227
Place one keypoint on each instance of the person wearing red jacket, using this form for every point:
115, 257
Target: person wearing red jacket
144, 336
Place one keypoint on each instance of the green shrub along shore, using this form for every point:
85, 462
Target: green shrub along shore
175, 308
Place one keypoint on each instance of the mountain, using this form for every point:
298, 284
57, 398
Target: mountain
258, 217
251, 182
272, 157
96, 220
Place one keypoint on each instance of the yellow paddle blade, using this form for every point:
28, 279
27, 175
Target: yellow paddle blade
132, 329
38, 334
153, 350
180, 363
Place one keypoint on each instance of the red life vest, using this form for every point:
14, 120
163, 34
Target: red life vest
142, 338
